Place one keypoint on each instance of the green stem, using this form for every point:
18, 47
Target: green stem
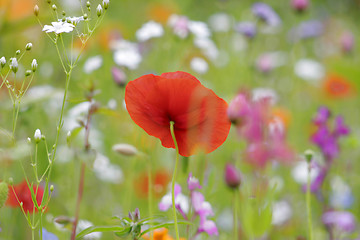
173, 179
308, 203
235, 215
150, 194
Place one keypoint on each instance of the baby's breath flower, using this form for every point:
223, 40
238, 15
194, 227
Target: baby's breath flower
74, 20
54, 7
59, 27
37, 136
106, 4
14, 64
99, 10
27, 73
2, 61
36, 10
28, 46
34, 65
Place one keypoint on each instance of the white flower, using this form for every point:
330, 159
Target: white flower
28, 46
282, 212
199, 29
14, 64
300, 172
37, 135
99, 10
309, 70
208, 47
106, 171
220, 22
127, 54
149, 30
179, 24
82, 225
59, 27
75, 20
93, 64
199, 65
2, 61
34, 65
260, 94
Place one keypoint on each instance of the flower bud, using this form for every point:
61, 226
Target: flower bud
135, 216
238, 109
51, 188
36, 10
54, 7
118, 76
63, 13
85, 16
125, 149
11, 181
29, 140
309, 154
37, 136
300, 5
34, 65
2, 61
17, 52
347, 42
48, 1
99, 10
28, 46
88, 4
14, 64
232, 176
4, 192
28, 73
106, 4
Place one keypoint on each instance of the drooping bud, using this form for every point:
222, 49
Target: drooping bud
125, 149
2, 61
34, 65
106, 4
232, 176
37, 136
118, 76
14, 64
309, 154
28, 46
4, 192
28, 73
300, 5
36, 10
99, 10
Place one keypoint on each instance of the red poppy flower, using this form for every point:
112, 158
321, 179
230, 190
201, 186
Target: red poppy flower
24, 195
199, 115
336, 86
159, 180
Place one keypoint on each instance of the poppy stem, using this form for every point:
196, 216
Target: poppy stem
308, 202
173, 179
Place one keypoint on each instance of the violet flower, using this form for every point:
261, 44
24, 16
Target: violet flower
246, 28
266, 13
193, 183
343, 221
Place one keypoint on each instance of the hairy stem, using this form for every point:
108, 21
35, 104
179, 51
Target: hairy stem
173, 178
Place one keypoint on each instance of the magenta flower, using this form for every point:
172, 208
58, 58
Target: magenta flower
193, 183
343, 221
232, 176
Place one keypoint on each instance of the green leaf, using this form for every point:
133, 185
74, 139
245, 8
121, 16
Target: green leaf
73, 135
92, 229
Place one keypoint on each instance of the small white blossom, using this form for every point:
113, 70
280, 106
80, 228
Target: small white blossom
14, 64
199, 65
2, 61
106, 4
309, 70
59, 27
220, 22
37, 135
28, 46
99, 10
93, 64
149, 30
282, 212
199, 29
127, 54
34, 65
75, 20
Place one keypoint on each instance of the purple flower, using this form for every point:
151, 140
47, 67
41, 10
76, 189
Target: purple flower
193, 183
209, 227
309, 29
232, 176
326, 141
48, 235
347, 41
118, 76
340, 128
181, 201
344, 221
266, 13
299, 5
246, 28
322, 116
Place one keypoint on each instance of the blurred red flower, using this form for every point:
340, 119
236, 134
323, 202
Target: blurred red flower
336, 86
159, 182
199, 115
23, 194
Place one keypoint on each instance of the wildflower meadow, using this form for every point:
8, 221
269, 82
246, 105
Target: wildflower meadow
179, 120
